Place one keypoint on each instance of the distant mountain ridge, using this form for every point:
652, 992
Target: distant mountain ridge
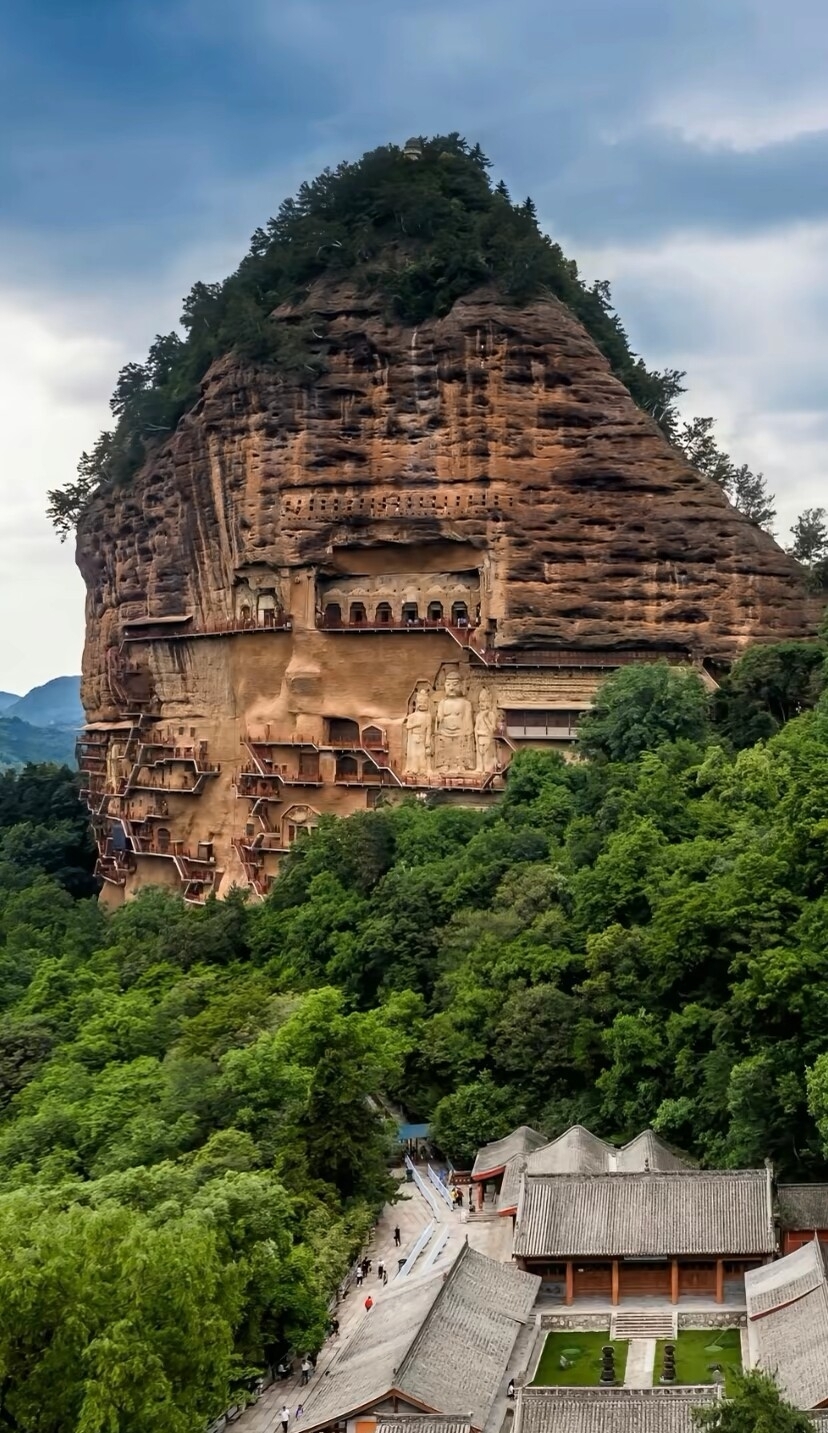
55, 703
20, 742
42, 725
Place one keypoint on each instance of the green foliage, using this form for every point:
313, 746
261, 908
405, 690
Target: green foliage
810, 545
21, 742
420, 234
768, 686
639, 708
108, 1320
472, 1116
44, 829
748, 491
639, 937
755, 1405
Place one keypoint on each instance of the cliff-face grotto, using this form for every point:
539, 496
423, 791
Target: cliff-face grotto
387, 582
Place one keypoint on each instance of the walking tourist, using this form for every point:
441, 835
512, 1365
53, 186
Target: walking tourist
397, 1237
380, 1268
284, 1417
306, 1370
510, 1388
359, 1276
369, 1303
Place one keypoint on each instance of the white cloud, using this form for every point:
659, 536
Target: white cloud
712, 119
54, 380
746, 318
60, 355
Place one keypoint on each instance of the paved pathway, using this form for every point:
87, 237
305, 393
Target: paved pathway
640, 1360
489, 1235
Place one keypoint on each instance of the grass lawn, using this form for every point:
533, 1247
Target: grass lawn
582, 1352
696, 1349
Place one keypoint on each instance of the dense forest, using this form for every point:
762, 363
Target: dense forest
418, 227
192, 1143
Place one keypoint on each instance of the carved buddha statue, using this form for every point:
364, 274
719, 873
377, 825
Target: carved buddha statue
454, 729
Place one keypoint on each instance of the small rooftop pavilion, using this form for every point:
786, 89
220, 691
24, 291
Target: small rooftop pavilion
803, 1213
576, 1151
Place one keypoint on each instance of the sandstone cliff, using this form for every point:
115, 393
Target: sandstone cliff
496, 428
477, 492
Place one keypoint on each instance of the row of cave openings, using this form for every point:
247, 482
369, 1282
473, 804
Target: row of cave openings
384, 615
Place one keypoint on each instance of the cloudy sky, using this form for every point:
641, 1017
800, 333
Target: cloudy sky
675, 147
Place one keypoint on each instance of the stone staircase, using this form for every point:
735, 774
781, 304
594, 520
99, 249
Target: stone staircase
644, 1323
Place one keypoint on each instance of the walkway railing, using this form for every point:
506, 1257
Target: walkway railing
427, 1193
437, 1248
439, 1186
406, 1268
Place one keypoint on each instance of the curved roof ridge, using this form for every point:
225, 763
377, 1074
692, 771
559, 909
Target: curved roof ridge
493, 1157
576, 1150
688, 1171
658, 1154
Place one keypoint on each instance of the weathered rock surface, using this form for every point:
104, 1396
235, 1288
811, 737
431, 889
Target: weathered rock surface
489, 457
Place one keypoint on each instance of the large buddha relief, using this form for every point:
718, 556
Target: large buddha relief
453, 728
443, 735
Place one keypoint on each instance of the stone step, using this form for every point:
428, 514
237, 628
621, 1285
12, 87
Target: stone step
643, 1323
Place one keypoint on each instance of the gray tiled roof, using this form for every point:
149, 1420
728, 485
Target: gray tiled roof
509, 1192
610, 1410
647, 1152
787, 1304
460, 1357
423, 1423
579, 1151
692, 1212
576, 1151
786, 1279
494, 1157
803, 1206
444, 1342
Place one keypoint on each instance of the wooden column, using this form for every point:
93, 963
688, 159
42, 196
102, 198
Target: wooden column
570, 1282
614, 1282
720, 1281
674, 1282
480, 1195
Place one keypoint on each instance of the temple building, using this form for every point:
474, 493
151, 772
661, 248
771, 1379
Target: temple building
787, 1307
612, 1410
440, 1345
499, 1167
803, 1214
621, 1235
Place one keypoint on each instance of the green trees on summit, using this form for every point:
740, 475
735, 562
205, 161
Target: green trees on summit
748, 491
420, 233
